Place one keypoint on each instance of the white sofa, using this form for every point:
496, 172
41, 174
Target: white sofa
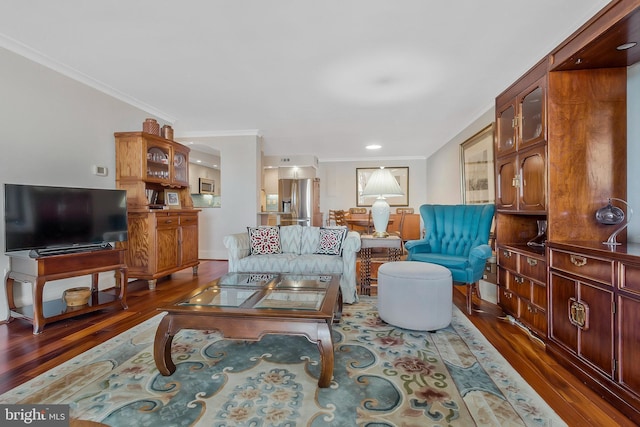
298, 246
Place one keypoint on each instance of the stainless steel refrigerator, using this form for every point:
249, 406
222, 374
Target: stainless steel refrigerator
296, 196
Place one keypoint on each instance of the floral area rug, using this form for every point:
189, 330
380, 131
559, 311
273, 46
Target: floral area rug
383, 376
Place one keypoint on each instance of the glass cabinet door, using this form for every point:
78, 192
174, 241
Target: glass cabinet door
506, 130
180, 165
157, 163
532, 121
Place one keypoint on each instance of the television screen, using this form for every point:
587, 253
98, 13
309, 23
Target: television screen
38, 217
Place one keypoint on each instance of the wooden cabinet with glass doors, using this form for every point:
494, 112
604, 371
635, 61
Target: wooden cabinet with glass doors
521, 132
163, 235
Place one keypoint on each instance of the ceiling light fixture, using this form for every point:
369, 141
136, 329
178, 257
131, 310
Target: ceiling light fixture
373, 147
626, 46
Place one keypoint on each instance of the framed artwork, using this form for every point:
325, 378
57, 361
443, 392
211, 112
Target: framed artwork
477, 168
401, 175
171, 199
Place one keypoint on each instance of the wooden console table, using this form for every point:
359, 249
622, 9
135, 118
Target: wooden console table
367, 243
38, 271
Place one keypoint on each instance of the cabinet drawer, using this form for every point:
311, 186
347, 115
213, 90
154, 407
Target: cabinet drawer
503, 277
508, 259
509, 302
535, 318
167, 221
630, 278
534, 268
188, 219
539, 295
584, 266
520, 285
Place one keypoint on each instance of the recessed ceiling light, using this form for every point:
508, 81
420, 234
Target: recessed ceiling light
373, 147
626, 46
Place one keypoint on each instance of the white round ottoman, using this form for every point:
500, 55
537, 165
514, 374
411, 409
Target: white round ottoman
415, 295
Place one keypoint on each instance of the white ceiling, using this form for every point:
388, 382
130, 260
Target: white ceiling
323, 77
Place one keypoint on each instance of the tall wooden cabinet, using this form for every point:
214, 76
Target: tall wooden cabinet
521, 197
163, 234
588, 291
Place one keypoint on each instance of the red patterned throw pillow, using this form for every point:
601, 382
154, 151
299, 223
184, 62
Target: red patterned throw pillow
265, 240
331, 241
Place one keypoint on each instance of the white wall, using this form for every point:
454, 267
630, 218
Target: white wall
240, 175
52, 130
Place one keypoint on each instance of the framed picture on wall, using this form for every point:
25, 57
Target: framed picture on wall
477, 168
401, 174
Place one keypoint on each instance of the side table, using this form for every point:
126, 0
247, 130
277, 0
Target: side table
394, 246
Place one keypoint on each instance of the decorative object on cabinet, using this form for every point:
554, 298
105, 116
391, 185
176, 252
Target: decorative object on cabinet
476, 166
77, 297
167, 132
613, 215
151, 126
541, 238
402, 177
457, 238
381, 184
172, 199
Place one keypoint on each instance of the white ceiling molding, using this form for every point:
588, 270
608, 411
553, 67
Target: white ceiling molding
214, 133
42, 59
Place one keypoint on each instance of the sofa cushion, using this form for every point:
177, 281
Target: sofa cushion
290, 238
330, 241
264, 240
313, 263
309, 239
267, 263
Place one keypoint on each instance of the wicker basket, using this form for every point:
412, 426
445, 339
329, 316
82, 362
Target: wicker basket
75, 297
151, 126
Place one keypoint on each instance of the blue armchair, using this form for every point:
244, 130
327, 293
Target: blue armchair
457, 238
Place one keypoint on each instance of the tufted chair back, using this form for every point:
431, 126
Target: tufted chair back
456, 229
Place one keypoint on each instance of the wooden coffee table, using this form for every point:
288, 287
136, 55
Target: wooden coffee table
247, 306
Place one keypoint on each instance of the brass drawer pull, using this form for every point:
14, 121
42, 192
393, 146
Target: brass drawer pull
578, 261
506, 254
519, 280
532, 262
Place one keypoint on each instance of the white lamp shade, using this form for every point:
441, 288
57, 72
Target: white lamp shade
381, 184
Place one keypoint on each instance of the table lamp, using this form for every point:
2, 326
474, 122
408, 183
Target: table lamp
381, 184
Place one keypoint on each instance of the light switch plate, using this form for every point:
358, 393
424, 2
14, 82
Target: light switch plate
100, 170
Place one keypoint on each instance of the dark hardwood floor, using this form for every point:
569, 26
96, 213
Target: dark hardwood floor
24, 356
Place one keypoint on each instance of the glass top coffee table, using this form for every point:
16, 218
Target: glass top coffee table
247, 306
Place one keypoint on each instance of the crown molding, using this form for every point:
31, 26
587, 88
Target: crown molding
214, 133
39, 58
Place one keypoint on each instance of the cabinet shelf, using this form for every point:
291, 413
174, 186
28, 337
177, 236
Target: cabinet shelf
57, 309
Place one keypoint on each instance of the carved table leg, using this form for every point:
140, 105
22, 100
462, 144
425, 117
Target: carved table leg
325, 346
162, 347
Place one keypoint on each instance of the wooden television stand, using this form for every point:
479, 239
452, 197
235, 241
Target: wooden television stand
38, 271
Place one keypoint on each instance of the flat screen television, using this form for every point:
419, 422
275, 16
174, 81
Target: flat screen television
50, 220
